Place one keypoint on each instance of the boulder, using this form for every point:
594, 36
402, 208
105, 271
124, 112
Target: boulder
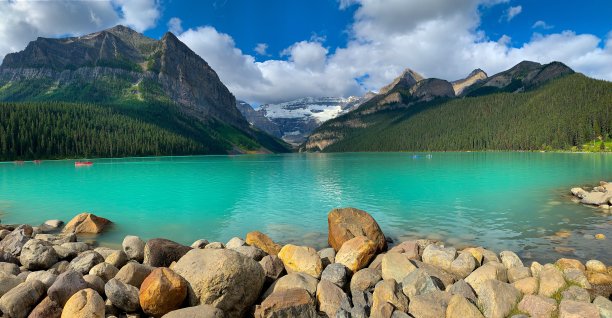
19, 301
596, 198
160, 252
104, 270
382, 310
409, 248
9, 269
301, 259
356, 253
463, 289
527, 286
273, 267
123, 296
263, 242
510, 259
396, 266
294, 302
476, 253
65, 286
576, 276
117, 259
388, 291
551, 281
347, 223
252, 252
162, 292
292, 281
222, 278
104, 251
439, 256
536, 268
86, 223
14, 242
85, 303
85, 261
95, 282
377, 262
133, 273
517, 273
601, 283
215, 245
8, 282
538, 306
566, 263
201, 243
201, 311
480, 275
576, 293
47, 308
604, 305
460, 307
8, 257
463, 265
68, 251
497, 299
59, 267
577, 309
56, 239
54, 223
44, 277
365, 280
596, 266
437, 274
331, 298
133, 247
418, 283
337, 274
327, 255
430, 305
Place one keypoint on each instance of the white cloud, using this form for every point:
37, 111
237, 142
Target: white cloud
512, 12
23, 20
261, 49
175, 25
542, 25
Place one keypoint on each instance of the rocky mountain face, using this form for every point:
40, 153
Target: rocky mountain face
474, 77
521, 77
293, 121
410, 88
120, 64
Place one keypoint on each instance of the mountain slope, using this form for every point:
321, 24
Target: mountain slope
132, 73
564, 113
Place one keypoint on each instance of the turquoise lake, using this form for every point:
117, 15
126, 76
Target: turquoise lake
501, 200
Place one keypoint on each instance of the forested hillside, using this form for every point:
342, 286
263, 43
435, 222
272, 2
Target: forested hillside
565, 113
42, 130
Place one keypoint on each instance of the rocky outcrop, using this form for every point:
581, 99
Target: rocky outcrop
347, 223
474, 77
86, 223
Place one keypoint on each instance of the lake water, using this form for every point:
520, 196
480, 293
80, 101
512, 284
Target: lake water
515, 201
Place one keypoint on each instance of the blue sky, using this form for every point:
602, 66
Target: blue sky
269, 51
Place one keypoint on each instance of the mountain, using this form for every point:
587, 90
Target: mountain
293, 121
474, 77
162, 82
529, 107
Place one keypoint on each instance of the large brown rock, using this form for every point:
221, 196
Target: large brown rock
66, 285
551, 281
86, 223
223, 278
162, 292
538, 306
396, 266
460, 307
356, 253
430, 305
160, 252
86, 303
14, 242
347, 223
577, 309
331, 298
292, 281
263, 242
287, 303
388, 291
47, 308
301, 259
133, 273
496, 298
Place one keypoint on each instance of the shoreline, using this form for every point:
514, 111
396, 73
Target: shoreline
361, 274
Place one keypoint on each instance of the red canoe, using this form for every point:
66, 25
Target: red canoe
83, 163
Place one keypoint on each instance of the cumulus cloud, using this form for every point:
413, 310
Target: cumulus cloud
512, 12
175, 25
23, 20
261, 49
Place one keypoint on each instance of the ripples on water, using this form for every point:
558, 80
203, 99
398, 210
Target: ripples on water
513, 201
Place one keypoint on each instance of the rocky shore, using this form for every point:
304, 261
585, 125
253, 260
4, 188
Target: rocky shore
599, 196
46, 272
